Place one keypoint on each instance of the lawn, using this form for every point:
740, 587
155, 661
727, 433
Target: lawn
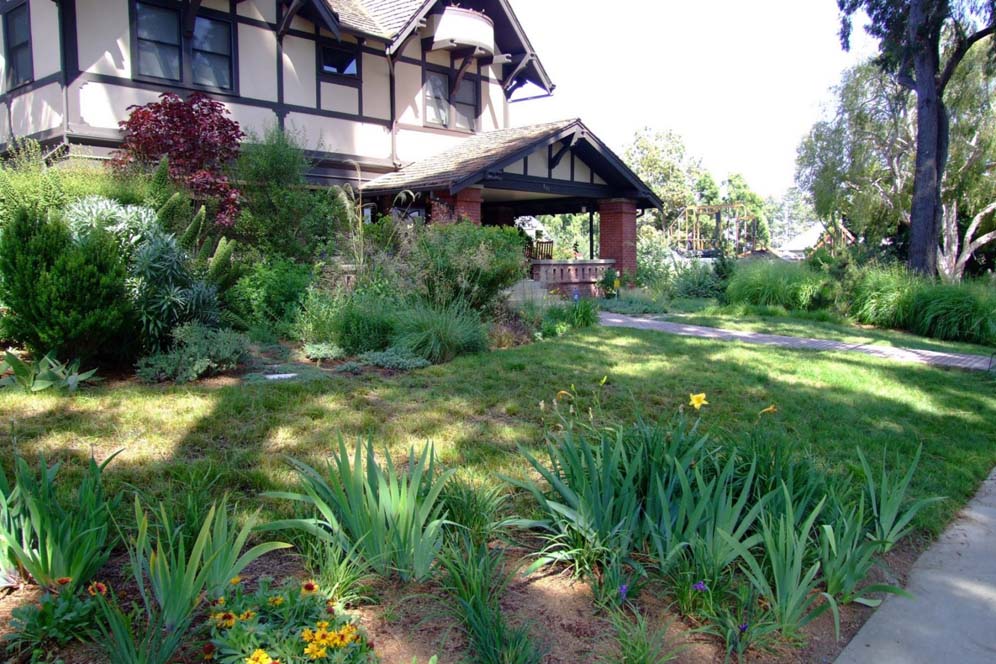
794, 324
477, 409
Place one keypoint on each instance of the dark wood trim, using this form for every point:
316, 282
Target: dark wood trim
283, 25
277, 107
532, 184
31, 86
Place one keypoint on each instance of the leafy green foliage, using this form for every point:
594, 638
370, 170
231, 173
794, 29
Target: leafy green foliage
364, 322
44, 374
398, 359
319, 352
270, 294
63, 296
56, 620
639, 642
474, 509
197, 351
957, 312
315, 321
465, 263
341, 573
166, 292
790, 285
60, 544
394, 519
696, 279
884, 296
439, 334
559, 319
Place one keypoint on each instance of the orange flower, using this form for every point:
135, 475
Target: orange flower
235, 580
64, 580
97, 588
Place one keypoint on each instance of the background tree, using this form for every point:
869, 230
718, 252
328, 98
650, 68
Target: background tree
911, 34
660, 159
738, 191
790, 215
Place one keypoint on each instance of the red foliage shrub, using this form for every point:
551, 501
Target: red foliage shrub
198, 137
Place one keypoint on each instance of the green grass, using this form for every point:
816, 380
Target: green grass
818, 324
477, 408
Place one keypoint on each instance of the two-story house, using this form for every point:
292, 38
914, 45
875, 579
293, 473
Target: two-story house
415, 93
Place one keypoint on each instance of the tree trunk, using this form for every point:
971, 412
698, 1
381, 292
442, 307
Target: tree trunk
931, 141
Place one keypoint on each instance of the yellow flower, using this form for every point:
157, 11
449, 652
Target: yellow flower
315, 651
225, 619
562, 393
259, 657
322, 624
235, 580
276, 600
307, 635
696, 401
247, 615
309, 588
769, 410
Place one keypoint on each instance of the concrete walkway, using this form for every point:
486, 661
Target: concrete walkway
952, 616
932, 357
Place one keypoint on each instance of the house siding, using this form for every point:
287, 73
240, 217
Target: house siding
278, 82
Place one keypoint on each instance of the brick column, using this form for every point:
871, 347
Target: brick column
445, 208
617, 233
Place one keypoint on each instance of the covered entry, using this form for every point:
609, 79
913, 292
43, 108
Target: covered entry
495, 177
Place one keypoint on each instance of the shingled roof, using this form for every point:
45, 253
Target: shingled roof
475, 153
482, 155
383, 18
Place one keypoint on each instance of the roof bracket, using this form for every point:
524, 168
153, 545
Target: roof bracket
464, 67
567, 146
523, 62
285, 21
325, 13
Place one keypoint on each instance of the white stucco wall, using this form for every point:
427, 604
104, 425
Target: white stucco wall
376, 87
38, 110
299, 71
340, 98
342, 136
45, 38
104, 43
257, 63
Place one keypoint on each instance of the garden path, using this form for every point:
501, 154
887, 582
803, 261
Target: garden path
931, 357
953, 610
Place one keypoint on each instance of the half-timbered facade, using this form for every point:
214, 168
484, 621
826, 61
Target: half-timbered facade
401, 94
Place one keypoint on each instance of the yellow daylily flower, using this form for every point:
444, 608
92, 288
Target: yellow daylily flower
769, 410
696, 401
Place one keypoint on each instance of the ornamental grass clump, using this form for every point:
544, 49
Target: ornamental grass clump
395, 519
59, 544
779, 283
439, 334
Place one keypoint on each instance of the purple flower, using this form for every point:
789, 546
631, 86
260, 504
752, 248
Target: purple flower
700, 586
623, 589
743, 627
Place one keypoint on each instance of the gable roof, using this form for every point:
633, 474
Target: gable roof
480, 156
394, 21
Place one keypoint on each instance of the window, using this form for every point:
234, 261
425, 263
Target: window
339, 61
17, 37
459, 110
211, 53
158, 41
203, 58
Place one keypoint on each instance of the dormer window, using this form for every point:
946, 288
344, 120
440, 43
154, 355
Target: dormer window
453, 111
202, 59
339, 61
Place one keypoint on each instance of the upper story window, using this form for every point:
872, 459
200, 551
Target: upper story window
455, 111
202, 59
339, 61
17, 38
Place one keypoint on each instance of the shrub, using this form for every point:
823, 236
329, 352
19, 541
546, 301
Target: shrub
130, 225
559, 319
791, 285
465, 263
696, 279
884, 296
958, 312
394, 519
46, 373
198, 138
364, 323
197, 351
315, 321
439, 334
655, 260
270, 294
280, 214
608, 283
60, 544
63, 296
319, 352
398, 359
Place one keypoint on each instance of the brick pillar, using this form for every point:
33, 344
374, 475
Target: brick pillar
617, 233
445, 208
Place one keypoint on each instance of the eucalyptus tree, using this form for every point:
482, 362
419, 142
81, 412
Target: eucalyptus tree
924, 42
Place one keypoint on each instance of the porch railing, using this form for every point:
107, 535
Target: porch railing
571, 276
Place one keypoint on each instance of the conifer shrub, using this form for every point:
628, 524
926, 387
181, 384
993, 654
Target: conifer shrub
62, 295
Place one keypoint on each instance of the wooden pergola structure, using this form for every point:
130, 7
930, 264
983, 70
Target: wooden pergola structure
685, 232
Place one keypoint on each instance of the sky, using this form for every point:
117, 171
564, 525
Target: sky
742, 81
